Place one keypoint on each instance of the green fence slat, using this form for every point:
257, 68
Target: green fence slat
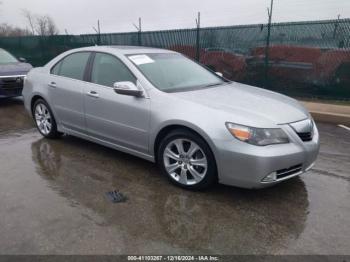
307, 59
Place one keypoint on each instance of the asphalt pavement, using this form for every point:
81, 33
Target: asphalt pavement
53, 201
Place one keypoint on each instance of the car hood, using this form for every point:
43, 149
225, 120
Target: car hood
14, 69
241, 101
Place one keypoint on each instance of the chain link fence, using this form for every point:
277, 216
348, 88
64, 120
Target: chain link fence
305, 59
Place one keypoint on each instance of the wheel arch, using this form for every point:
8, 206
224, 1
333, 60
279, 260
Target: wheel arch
33, 100
38, 96
166, 129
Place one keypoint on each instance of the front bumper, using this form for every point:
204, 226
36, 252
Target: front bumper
244, 165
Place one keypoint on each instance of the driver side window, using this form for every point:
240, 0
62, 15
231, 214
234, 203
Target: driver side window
107, 70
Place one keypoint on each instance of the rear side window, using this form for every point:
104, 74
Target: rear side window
72, 66
108, 69
56, 69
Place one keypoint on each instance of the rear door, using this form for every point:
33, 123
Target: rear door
66, 90
119, 119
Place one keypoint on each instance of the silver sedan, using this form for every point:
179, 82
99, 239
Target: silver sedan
161, 106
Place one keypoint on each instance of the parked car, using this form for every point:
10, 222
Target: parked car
12, 73
163, 107
231, 63
302, 65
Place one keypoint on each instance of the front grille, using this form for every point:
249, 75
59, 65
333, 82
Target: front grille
282, 173
10, 92
305, 136
11, 83
304, 129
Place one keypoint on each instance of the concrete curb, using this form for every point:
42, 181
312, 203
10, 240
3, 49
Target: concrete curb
329, 113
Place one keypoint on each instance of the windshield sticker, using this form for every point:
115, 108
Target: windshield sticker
141, 59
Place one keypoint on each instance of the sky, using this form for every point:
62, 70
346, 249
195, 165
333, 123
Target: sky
80, 16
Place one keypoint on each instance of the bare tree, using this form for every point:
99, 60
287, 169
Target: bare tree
30, 19
51, 26
8, 30
40, 24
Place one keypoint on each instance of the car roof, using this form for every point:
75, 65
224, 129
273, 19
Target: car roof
125, 50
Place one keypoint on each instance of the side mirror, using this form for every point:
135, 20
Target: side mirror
127, 88
219, 74
23, 60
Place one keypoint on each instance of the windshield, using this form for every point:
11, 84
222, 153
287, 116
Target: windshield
6, 57
171, 72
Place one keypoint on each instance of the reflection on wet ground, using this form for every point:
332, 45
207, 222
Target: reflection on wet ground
52, 201
13, 118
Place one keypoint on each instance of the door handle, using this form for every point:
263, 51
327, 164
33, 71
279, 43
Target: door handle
52, 84
93, 94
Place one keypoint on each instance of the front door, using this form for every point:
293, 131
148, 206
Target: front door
111, 117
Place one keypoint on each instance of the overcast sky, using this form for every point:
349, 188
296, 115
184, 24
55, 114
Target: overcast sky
79, 16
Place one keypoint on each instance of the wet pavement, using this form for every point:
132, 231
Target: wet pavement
52, 201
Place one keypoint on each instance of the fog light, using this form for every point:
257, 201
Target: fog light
270, 178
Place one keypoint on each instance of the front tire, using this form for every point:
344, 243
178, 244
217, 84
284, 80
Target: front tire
44, 119
187, 161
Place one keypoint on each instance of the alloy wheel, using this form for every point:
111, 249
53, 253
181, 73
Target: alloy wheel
43, 118
185, 161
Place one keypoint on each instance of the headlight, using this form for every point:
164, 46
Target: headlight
258, 136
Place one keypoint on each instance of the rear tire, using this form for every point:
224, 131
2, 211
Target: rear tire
187, 160
45, 120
